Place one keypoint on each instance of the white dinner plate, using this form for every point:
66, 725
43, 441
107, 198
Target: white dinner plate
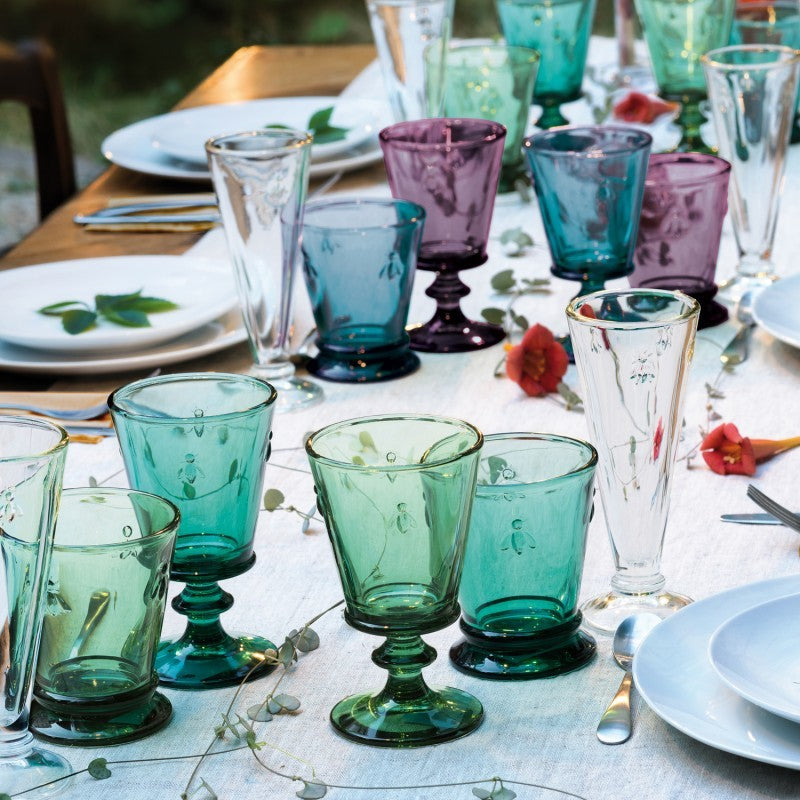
183, 134
756, 654
674, 676
775, 310
217, 335
203, 290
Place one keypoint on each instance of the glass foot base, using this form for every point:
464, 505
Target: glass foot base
35, 767
438, 337
294, 393
441, 715
551, 652
735, 289
604, 614
365, 369
94, 729
192, 665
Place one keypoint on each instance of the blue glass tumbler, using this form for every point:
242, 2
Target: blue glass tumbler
359, 260
590, 182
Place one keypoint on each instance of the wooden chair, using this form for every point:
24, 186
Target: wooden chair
28, 75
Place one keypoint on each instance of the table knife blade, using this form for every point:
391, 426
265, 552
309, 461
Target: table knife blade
751, 519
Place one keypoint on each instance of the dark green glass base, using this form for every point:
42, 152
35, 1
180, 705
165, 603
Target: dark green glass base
499, 656
192, 664
380, 364
441, 715
592, 277
69, 725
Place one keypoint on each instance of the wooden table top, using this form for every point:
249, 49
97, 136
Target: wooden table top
250, 73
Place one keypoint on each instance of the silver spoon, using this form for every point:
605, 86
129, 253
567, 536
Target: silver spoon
615, 724
736, 350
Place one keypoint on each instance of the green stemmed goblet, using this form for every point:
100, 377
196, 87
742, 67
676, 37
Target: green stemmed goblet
396, 494
678, 33
201, 440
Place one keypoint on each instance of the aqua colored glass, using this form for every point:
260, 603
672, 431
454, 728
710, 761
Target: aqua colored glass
201, 440
32, 454
95, 681
396, 493
359, 261
486, 80
678, 33
589, 182
524, 559
559, 30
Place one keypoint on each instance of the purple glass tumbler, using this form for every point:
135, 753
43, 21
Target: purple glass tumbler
685, 201
451, 168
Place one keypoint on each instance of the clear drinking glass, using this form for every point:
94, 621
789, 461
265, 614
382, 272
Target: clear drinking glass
402, 30
633, 350
260, 178
32, 457
752, 89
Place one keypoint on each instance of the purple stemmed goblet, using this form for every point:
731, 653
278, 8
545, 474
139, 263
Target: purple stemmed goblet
685, 201
451, 168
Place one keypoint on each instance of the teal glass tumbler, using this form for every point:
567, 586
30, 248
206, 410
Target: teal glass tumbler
95, 681
201, 440
486, 80
524, 559
32, 454
590, 183
359, 261
559, 30
396, 493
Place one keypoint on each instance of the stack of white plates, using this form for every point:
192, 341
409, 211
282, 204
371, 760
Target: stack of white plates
207, 318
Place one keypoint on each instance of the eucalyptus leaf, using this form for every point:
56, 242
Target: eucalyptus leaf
287, 702
273, 498
503, 281
259, 713
98, 769
78, 320
312, 790
503, 794
93, 482
520, 321
516, 237
4, 796
286, 653
273, 707
307, 641
494, 315
571, 399
483, 794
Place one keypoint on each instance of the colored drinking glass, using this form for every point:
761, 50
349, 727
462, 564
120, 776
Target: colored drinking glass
633, 350
487, 80
261, 179
451, 168
201, 440
402, 30
32, 454
559, 30
678, 33
396, 493
589, 182
95, 681
752, 89
359, 261
685, 202
524, 558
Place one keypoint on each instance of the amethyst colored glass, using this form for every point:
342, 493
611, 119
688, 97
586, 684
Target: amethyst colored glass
451, 168
685, 201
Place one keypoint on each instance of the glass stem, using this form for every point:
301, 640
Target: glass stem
404, 657
624, 30
202, 604
551, 116
447, 290
689, 120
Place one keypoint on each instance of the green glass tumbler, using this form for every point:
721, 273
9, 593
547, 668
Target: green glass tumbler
524, 559
396, 493
485, 80
201, 441
558, 30
678, 33
95, 682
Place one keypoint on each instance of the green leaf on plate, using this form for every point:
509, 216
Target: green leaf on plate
127, 317
57, 309
320, 119
78, 320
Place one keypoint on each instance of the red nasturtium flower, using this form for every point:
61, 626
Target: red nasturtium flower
638, 107
727, 452
538, 362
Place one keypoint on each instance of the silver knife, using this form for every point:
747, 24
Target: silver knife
89, 430
751, 519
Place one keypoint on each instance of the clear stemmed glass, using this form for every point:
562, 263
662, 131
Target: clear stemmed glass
633, 350
261, 178
32, 457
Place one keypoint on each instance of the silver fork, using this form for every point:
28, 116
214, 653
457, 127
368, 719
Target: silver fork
89, 412
776, 509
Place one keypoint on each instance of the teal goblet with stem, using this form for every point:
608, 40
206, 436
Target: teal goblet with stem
396, 493
559, 30
201, 441
678, 33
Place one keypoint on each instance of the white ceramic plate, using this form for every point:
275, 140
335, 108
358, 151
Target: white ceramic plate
775, 310
202, 288
674, 676
183, 134
217, 335
756, 654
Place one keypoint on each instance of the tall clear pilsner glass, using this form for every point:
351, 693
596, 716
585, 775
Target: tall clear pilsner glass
260, 179
633, 349
31, 468
752, 89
